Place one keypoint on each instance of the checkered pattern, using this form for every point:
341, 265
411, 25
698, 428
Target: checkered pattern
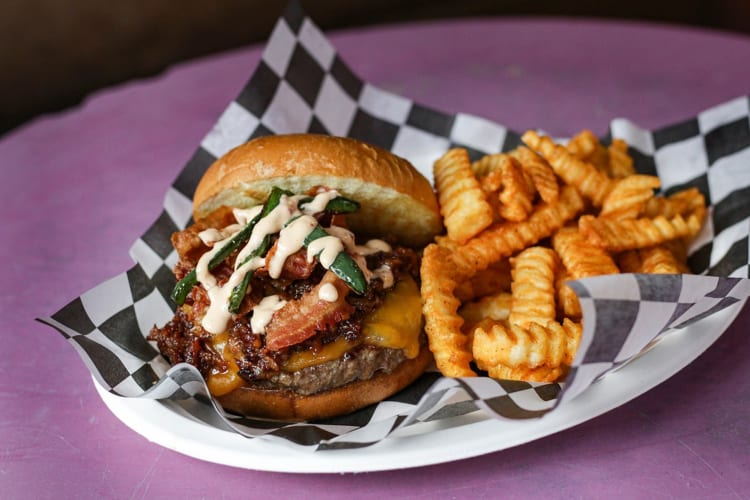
301, 85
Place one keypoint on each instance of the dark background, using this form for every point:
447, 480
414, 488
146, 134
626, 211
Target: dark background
55, 52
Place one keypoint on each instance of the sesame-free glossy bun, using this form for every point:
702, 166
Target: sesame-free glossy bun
395, 198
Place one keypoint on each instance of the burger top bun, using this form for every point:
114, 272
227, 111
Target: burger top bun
395, 198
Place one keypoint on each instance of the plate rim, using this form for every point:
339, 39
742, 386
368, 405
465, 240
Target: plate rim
161, 424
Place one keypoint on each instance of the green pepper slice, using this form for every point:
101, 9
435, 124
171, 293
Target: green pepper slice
239, 291
338, 205
343, 265
183, 287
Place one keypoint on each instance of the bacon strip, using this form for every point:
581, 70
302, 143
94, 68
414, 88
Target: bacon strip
296, 266
298, 320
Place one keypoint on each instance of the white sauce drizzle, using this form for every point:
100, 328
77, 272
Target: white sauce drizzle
385, 274
319, 202
217, 315
328, 292
270, 224
217, 309
326, 249
291, 239
373, 246
263, 312
245, 215
346, 236
358, 253
210, 236
201, 269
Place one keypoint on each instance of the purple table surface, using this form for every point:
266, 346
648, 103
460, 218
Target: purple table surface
82, 185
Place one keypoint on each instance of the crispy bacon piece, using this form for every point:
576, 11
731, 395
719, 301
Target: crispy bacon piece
296, 266
298, 320
187, 242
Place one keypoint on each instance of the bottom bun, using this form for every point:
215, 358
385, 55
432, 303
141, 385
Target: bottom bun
290, 406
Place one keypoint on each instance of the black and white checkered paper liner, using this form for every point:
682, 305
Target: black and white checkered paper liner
302, 85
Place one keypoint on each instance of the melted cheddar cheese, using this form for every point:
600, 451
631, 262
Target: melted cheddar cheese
220, 383
397, 324
328, 352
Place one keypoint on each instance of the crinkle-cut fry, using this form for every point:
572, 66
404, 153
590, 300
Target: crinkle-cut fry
462, 202
568, 305
683, 202
493, 307
620, 162
679, 249
494, 279
533, 286
447, 243
586, 146
660, 260
540, 353
449, 345
505, 176
628, 234
516, 198
629, 196
629, 261
487, 164
505, 239
689, 203
492, 182
542, 373
695, 221
591, 182
580, 258
542, 175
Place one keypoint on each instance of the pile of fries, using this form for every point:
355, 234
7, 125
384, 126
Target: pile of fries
519, 225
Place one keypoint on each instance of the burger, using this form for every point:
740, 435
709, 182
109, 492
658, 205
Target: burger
297, 294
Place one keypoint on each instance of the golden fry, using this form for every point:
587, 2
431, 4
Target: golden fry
462, 202
682, 203
495, 307
620, 162
540, 353
487, 164
533, 287
492, 182
542, 176
586, 146
679, 250
689, 203
502, 174
448, 344
494, 287
628, 234
568, 305
579, 257
629, 261
516, 198
659, 260
581, 260
494, 279
591, 182
503, 240
629, 197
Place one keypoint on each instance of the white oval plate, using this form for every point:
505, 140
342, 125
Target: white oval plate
467, 436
